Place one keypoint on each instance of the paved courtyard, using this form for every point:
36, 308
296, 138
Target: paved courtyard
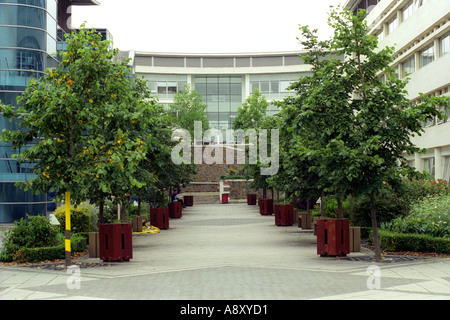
231, 252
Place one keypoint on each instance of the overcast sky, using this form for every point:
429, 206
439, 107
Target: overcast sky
206, 26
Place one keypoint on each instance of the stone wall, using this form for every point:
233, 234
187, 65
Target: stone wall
207, 180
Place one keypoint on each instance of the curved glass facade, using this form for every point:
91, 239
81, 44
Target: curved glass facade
28, 33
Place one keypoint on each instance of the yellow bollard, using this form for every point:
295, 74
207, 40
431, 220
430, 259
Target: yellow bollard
68, 250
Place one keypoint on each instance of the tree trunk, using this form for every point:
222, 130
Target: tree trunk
123, 213
264, 193
340, 209
376, 239
322, 206
100, 212
139, 207
307, 206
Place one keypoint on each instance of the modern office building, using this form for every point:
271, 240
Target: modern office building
28, 46
419, 30
224, 80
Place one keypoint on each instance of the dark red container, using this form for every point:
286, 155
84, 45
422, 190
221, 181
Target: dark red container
188, 201
175, 210
224, 197
333, 237
265, 206
159, 217
284, 214
115, 241
251, 199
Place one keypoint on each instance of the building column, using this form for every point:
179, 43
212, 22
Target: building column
438, 172
418, 161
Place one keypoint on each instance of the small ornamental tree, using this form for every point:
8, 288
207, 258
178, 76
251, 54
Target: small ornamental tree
187, 108
355, 127
79, 126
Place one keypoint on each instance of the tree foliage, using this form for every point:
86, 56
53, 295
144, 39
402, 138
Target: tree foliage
349, 128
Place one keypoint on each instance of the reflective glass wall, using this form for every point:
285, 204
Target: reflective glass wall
28, 32
223, 95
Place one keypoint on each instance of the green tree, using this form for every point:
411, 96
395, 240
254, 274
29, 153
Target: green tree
80, 119
356, 128
188, 107
252, 112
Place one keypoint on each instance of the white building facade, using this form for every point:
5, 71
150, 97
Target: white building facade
419, 30
225, 81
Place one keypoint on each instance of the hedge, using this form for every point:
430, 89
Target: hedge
80, 218
391, 241
24, 254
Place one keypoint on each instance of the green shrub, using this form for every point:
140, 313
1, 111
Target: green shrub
430, 216
392, 241
417, 189
29, 232
80, 218
35, 254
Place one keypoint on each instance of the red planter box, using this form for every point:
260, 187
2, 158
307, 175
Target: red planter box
175, 210
225, 198
159, 217
251, 199
188, 201
284, 214
115, 242
333, 237
265, 206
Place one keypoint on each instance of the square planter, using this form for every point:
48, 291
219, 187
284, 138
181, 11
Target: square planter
175, 210
265, 206
159, 217
333, 237
138, 222
355, 239
251, 199
304, 220
284, 214
188, 201
115, 242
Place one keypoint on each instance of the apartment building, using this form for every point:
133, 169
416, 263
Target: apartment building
419, 30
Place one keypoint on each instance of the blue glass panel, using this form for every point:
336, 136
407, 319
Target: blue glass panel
22, 16
37, 3
17, 80
22, 59
9, 98
22, 38
16, 203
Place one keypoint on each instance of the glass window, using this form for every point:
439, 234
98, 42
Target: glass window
427, 55
265, 86
446, 170
23, 38
162, 87
428, 166
407, 10
380, 35
444, 44
274, 86
284, 85
36, 3
408, 67
22, 59
172, 87
254, 85
23, 16
392, 25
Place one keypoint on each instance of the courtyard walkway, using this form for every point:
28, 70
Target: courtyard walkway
231, 252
